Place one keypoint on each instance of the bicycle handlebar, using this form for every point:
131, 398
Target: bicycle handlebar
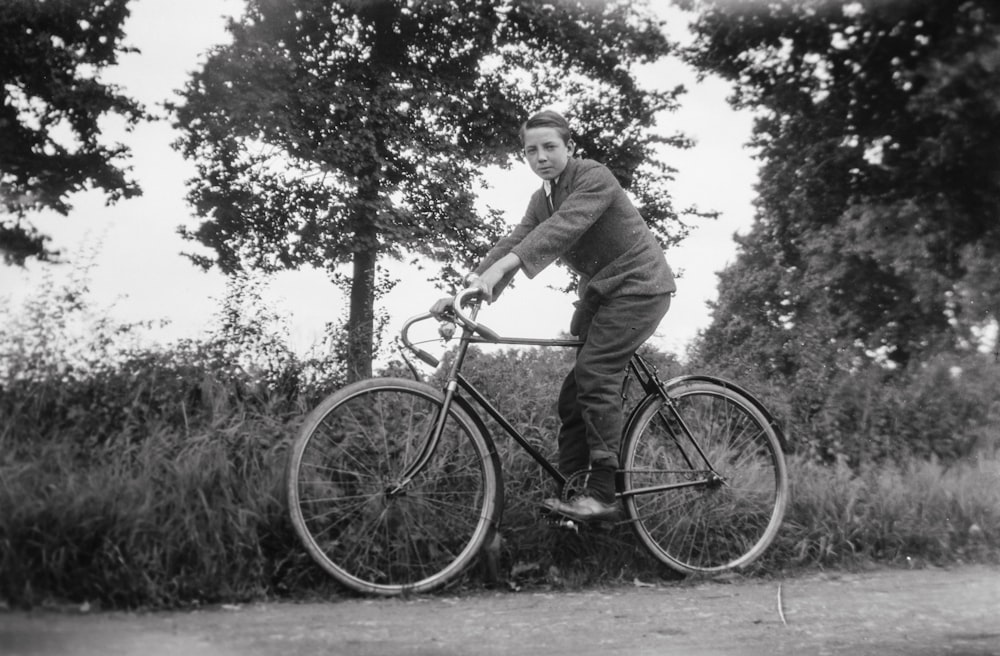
419, 352
466, 320
470, 321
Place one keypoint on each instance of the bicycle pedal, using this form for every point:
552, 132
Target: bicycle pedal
564, 523
567, 524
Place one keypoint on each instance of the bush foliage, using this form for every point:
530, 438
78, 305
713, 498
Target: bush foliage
154, 476
944, 408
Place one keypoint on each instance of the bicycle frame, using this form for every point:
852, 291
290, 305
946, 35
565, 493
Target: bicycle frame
455, 381
475, 333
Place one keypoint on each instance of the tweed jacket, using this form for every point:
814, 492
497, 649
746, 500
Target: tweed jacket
595, 230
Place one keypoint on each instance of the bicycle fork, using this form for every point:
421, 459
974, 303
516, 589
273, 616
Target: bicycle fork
432, 441
429, 445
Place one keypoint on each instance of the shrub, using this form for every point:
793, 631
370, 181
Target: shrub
945, 408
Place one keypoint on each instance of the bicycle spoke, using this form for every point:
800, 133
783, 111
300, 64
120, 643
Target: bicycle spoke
341, 452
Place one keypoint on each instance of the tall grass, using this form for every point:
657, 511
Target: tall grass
174, 507
147, 476
914, 513
156, 479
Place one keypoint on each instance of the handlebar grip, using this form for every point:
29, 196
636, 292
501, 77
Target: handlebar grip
426, 357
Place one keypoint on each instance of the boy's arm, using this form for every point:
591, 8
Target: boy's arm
594, 189
500, 271
504, 247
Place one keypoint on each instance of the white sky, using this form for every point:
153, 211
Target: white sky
140, 274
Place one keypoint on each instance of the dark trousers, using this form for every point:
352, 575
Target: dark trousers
590, 403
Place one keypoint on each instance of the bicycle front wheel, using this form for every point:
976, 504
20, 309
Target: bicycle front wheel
705, 482
363, 515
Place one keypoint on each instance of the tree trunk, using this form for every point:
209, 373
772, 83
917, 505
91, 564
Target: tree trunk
387, 51
361, 318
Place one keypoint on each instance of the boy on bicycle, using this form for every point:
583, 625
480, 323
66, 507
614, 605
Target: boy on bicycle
582, 216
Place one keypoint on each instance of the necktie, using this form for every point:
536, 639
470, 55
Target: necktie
550, 187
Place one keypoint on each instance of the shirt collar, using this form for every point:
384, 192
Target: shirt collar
547, 185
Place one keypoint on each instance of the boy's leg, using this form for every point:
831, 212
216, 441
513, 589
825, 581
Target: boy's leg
611, 334
618, 328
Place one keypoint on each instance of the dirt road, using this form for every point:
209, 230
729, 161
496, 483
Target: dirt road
920, 612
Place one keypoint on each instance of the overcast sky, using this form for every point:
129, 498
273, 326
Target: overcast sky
139, 273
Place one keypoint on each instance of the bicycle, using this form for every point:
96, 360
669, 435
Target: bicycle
395, 486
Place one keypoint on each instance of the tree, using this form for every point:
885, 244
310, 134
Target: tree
879, 131
51, 56
344, 132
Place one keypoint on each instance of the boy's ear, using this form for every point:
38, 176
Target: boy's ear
570, 146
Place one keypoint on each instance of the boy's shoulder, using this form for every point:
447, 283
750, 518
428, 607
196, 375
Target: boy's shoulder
591, 168
580, 164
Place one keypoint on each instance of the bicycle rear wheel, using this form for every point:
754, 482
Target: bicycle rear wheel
366, 520
706, 487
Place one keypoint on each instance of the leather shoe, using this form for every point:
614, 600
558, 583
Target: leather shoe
583, 508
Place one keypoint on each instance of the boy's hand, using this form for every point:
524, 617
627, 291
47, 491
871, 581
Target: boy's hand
442, 306
481, 284
488, 280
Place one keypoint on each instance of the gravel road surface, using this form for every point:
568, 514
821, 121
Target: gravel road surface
919, 612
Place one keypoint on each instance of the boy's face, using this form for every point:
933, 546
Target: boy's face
546, 152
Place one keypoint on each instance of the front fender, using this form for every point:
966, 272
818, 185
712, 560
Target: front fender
471, 414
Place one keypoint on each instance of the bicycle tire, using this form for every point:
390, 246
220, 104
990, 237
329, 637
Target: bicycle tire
717, 524
345, 464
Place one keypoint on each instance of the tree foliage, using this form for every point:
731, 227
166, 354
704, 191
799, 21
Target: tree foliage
51, 56
335, 132
877, 231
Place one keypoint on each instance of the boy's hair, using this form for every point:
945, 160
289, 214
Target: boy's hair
548, 119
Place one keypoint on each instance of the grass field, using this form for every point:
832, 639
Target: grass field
180, 517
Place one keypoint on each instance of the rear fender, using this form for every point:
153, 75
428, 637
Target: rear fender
722, 382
